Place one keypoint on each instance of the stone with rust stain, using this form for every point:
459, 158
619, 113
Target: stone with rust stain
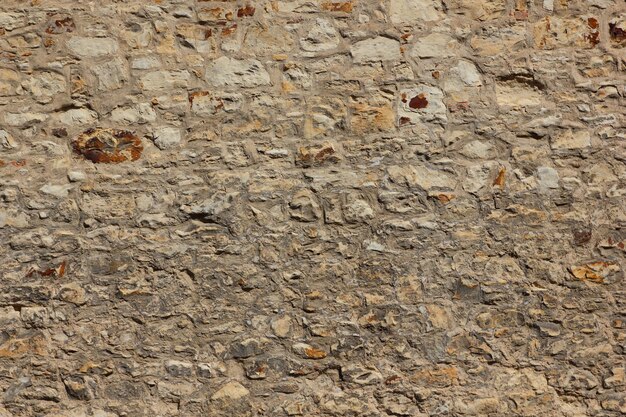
596, 272
309, 352
423, 103
309, 156
58, 25
108, 145
343, 6
32, 343
500, 179
439, 376
553, 32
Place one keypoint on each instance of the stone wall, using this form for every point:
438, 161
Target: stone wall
312, 208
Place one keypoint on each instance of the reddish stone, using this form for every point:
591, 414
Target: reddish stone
58, 26
404, 120
345, 7
418, 102
19, 163
499, 181
313, 353
108, 146
246, 11
59, 271
229, 30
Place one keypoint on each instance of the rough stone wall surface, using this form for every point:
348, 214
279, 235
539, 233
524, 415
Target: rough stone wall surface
312, 208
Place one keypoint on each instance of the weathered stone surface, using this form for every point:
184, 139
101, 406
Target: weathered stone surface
78, 117
24, 119
85, 47
11, 21
595, 271
162, 80
435, 45
7, 141
412, 12
47, 84
617, 30
376, 49
312, 208
108, 145
204, 103
468, 73
421, 104
552, 32
167, 137
9, 82
517, 94
481, 10
321, 37
547, 178
139, 113
111, 75
230, 72
571, 139
421, 176
230, 392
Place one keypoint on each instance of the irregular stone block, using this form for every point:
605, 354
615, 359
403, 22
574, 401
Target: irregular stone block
92, 47
617, 30
11, 21
230, 392
376, 49
517, 94
596, 272
435, 45
553, 32
321, 37
167, 137
111, 75
423, 103
413, 11
421, 176
230, 72
108, 145
570, 139
163, 80
9, 82
317, 155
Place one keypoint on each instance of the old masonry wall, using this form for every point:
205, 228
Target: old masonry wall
312, 208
